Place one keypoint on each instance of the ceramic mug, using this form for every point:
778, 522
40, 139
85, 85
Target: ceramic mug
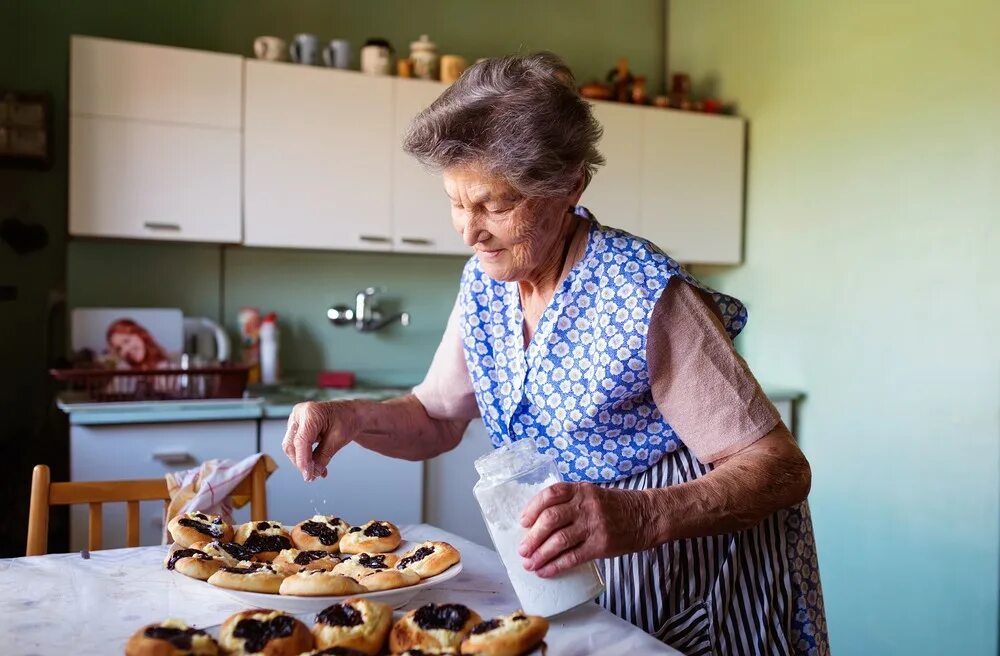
452, 67
270, 48
305, 49
337, 54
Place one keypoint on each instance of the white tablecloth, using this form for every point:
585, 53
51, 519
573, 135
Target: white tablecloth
65, 604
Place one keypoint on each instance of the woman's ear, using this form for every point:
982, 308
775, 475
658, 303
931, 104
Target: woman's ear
574, 196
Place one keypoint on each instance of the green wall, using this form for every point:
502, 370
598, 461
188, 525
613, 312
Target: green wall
873, 276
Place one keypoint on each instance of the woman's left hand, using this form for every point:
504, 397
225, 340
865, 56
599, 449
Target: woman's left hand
573, 523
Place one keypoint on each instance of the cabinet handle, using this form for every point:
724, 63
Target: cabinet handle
417, 241
169, 227
374, 238
174, 458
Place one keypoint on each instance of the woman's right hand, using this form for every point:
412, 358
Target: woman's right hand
316, 431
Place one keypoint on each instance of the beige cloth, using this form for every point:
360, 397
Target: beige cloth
700, 384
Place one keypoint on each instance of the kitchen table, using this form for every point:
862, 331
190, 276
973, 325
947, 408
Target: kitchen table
68, 604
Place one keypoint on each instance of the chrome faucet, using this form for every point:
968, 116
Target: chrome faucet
365, 316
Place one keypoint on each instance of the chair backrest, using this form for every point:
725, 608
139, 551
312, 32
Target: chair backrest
44, 494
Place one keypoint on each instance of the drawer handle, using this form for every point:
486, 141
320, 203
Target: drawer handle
374, 238
174, 458
167, 227
417, 241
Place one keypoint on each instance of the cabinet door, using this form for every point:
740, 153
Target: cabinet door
692, 185
121, 452
317, 157
140, 81
153, 180
421, 216
450, 477
360, 485
613, 194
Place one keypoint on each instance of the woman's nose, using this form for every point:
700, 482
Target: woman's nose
473, 232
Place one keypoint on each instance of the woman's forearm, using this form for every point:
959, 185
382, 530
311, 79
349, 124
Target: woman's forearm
764, 477
401, 428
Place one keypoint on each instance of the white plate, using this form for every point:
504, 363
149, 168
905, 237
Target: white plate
299, 605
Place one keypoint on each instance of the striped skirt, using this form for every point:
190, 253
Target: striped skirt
747, 593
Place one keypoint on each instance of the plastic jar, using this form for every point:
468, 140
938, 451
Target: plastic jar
509, 477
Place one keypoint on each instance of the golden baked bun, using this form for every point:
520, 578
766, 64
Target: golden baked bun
429, 559
433, 626
188, 528
319, 533
389, 579
363, 564
194, 563
264, 540
510, 635
373, 537
291, 561
319, 583
263, 631
170, 638
229, 553
248, 577
360, 624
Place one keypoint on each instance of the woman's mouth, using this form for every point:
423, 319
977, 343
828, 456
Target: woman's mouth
489, 254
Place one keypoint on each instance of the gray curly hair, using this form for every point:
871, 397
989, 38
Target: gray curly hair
519, 118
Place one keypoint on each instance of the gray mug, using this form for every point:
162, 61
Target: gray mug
337, 54
305, 49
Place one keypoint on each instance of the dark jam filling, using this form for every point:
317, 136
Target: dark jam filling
252, 567
263, 526
372, 562
258, 543
180, 638
445, 616
212, 530
417, 556
484, 627
378, 530
257, 634
306, 557
235, 550
184, 553
340, 615
327, 536
339, 651
519, 618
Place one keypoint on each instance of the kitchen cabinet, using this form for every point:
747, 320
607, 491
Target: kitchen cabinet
421, 214
613, 194
155, 142
691, 191
318, 149
360, 485
131, 451
449, 501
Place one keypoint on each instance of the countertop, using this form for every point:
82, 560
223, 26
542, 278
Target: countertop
276, 403
65, 604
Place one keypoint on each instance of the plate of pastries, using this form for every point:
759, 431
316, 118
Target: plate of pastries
356, 626
307, 567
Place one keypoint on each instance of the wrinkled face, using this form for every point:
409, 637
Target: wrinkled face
512, 236
128, 347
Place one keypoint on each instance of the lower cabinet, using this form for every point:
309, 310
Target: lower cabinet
130, 451
360, 485
450, 503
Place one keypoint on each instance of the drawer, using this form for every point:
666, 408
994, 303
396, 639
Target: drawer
148, 451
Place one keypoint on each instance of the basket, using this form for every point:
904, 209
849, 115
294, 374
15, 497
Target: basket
117, 385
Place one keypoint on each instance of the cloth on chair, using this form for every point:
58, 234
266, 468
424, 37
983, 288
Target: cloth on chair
208, 488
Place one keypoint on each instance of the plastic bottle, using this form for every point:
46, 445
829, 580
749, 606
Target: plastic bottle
509, 477
269, 349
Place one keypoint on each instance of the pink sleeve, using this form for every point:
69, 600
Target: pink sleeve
701, 385
446, 392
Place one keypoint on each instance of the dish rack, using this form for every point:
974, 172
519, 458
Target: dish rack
118, 385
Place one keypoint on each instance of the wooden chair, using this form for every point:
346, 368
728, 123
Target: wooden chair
95, 493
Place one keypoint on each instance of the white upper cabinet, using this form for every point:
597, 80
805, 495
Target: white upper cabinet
318, 149
613, 194
421, 214
691, 201
155, 142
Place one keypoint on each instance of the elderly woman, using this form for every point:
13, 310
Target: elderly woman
681, 480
